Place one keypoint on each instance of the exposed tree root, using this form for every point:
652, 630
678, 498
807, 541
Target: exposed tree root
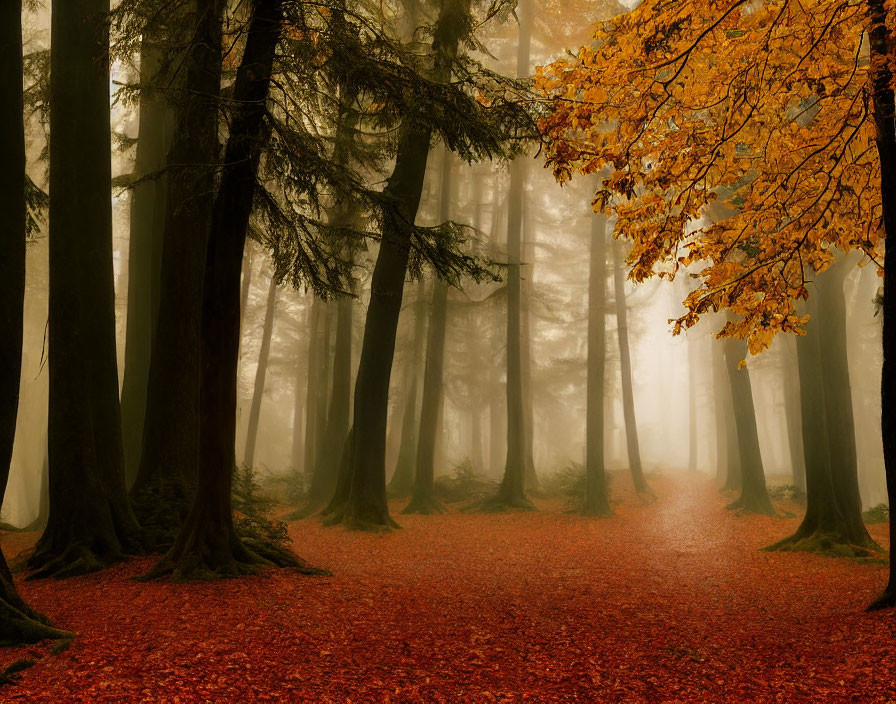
75, 560
830, 544
425, 505
369, 519
501, 503
747, 505
209, 562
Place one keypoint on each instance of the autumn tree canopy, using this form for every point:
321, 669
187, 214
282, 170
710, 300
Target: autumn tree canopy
738, 137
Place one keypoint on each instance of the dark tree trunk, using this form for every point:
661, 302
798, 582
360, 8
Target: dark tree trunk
298, 420
754, 496
246, 282
363, 503
625, 368
91, 523
261, 371
825, 527
147, 229
18, 622
793, 413
169, 462
596, 499
884, 110
423, 499
207, 545
841, 437
318, 337
512, 491
403, 477
727, 447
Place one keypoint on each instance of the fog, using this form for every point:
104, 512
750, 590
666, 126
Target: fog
674, 390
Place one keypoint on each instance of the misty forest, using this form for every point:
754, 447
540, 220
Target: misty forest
447, 351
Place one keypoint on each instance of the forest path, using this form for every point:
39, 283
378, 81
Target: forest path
670, 601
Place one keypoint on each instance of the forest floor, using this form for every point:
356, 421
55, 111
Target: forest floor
666, 602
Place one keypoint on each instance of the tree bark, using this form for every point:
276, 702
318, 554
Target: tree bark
207, 545
403, 477
362, 504
170, 456
261, 371
833, 523
793, 414
625, 369
91, 524
727, 448
597, 501
884, 110
423, 499
147, 229
19, 624
754, 496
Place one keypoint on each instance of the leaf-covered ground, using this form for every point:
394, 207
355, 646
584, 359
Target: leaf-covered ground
667, 602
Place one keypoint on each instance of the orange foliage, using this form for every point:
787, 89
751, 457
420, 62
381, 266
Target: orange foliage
734, 135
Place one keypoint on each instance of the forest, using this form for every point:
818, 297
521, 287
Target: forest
434, 351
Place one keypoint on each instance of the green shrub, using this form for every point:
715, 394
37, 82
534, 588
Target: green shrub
463, 484
877, 514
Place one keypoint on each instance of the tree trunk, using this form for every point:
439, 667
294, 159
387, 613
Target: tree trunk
169, 462
512, 491
793, 413
825, 527
147, 229
423, 499
261, 371
727, 448
884, 109
625, 369
298, 444
207, 545
841, 439
596, 499
329, 456
317, 349
754, 496
19, 623
403, 477
91, 524
362, 502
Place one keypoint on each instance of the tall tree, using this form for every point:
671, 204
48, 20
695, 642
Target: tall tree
147, 226
423, 499
19, 623
512, 492
625, 369
261, 371
207, 544
90, 523
597, 501
360, 497
403, 477
754, 495
727, 448
880, 38
170, 454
